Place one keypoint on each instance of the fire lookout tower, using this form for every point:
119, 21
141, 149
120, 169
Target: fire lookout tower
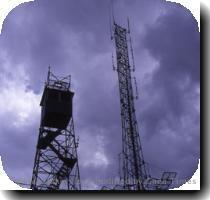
56, 162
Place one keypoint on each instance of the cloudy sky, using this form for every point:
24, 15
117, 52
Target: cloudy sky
73, 37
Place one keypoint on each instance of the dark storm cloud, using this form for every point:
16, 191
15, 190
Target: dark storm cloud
174, 42
73, 37
47, 29
171, 118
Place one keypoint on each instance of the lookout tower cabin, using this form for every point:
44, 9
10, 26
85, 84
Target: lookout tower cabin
56, 102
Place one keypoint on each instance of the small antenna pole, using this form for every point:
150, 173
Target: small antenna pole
113, 66
111, 28
69, 85
112, 10
48, 75
136, 87
111, 19
128, 25
131, 46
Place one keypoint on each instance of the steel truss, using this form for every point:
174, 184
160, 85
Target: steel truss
133, 171
56, 162
133, 166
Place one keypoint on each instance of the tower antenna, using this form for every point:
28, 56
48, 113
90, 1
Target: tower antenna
136, 87
112, 11
131, 46
113, 66
132, 164
111, 18
48, 74
133, 167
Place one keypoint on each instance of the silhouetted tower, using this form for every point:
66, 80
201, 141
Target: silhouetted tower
133, 166
133, 172
56, 162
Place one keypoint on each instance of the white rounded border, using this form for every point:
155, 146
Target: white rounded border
7, 5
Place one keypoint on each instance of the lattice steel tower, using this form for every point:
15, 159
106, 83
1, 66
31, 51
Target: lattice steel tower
134, 173
56, 162
133, 166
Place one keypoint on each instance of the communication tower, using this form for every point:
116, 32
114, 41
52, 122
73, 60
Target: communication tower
56, 162
133, 172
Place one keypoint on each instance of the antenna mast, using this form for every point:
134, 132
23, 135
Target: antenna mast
134, 174
134, 171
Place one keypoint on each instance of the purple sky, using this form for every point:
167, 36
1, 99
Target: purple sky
73, 37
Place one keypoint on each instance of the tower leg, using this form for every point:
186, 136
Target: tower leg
56, 160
